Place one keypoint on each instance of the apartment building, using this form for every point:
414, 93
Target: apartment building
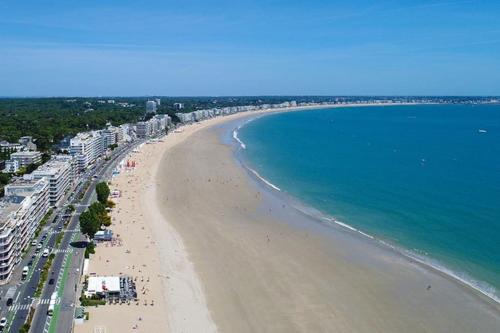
11, 166
25, 203
71, 160
143, 129
26, 158
150, 107
59, 175
153, 127
112, 135
87, 147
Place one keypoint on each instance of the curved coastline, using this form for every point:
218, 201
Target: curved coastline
486, 292
265, 267
221, 259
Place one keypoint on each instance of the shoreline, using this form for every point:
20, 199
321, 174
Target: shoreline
150, 250
192, 272
476, 286
225, 219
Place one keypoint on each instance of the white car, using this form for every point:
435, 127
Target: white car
34, 242
45, 253
3, 323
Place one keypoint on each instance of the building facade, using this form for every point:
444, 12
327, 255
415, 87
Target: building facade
86, 148
153, 127
112, 135
26, 158
25, 204
11, 166
6, 146
143, 129
150, 107
27, 142
71, 160
59, 175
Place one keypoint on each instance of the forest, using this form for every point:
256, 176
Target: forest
48, 120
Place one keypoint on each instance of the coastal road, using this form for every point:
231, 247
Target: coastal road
68, 263
23, 299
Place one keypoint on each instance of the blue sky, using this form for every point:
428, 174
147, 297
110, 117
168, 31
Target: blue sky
273, 47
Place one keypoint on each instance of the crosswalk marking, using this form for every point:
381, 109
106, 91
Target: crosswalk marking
18, 307
37, 301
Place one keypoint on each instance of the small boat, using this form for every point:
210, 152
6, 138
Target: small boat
483, 131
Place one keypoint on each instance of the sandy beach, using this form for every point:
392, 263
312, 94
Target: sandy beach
216, 250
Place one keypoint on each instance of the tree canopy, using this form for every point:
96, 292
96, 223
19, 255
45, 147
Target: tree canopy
93, 219
103, 191
89, 224
49, 120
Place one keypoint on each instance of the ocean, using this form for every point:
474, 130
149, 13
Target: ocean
422, 178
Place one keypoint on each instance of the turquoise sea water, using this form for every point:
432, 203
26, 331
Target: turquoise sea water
425, 178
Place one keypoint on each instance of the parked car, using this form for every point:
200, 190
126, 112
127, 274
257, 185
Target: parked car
3, 323
33, 242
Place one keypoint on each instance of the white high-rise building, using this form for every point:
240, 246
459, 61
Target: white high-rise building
150, 107
125, 130
25, 203
143, 129
113, 135
153, 127
158, 101
59, 175
87, 147
110, 136
185, 117
71, 160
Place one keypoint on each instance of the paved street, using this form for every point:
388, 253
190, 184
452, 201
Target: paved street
66, 266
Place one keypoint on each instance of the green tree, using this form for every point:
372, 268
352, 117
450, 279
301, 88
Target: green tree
99, 211
102, 190
97, 208
31, 167
4, 178
89, 224
45, 157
